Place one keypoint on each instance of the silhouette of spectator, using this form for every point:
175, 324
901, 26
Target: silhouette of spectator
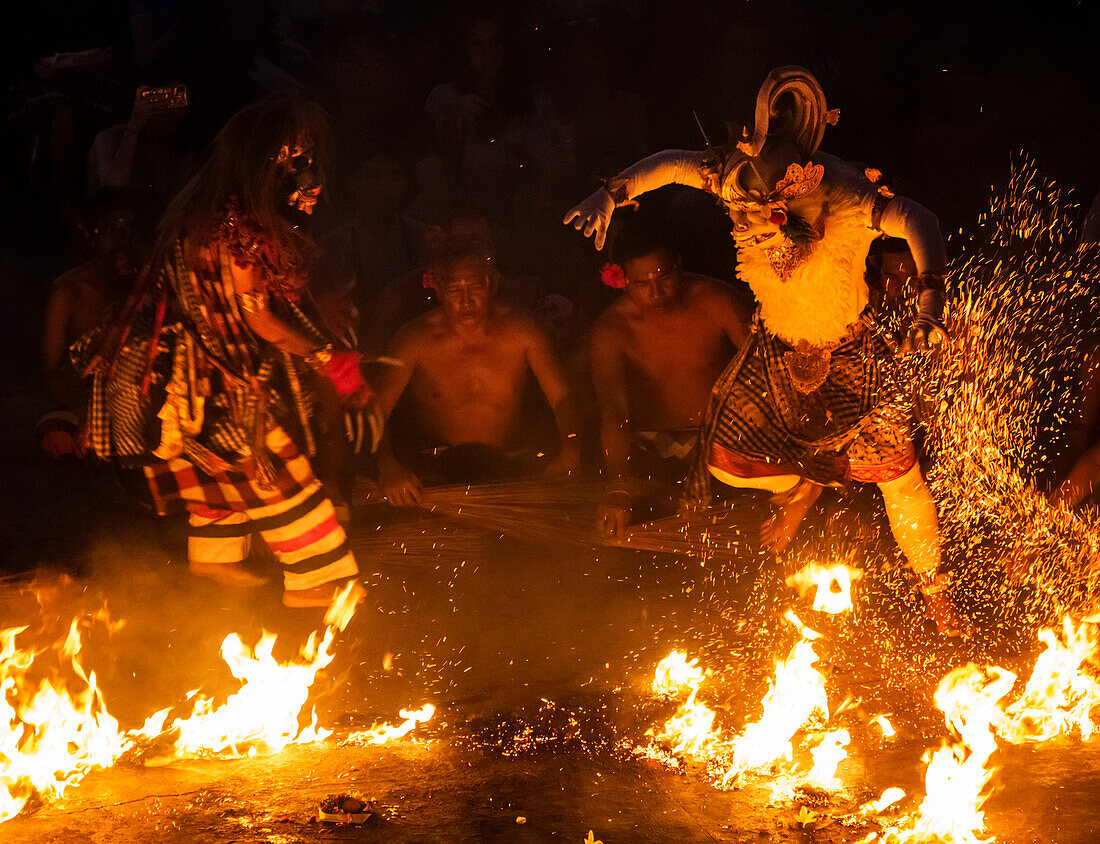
152, 153
500, 134
77, 301
379, 245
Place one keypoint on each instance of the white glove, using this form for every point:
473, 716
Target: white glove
592, 216
927, 329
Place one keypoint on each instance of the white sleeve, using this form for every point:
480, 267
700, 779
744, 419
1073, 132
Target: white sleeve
670, 167
896, 216
920, 228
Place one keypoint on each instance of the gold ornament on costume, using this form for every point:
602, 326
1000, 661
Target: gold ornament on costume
252, 303
289, 152
796, 182
808, 365
788, 257
799, 181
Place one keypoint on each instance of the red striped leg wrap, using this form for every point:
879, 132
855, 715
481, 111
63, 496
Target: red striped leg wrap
306, 538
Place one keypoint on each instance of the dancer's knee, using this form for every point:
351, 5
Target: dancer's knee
907, 487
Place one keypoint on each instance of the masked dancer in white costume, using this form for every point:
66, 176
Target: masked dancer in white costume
807, 402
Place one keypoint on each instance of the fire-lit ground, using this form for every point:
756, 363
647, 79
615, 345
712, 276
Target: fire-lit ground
540, 664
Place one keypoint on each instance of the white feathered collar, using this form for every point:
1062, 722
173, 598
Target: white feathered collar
827, 292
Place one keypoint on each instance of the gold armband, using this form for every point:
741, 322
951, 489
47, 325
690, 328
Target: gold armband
252, 303
319, 358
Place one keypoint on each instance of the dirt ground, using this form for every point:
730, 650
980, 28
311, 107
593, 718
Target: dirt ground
538, 661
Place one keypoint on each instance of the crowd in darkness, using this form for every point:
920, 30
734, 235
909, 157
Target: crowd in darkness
489, 121
514, 110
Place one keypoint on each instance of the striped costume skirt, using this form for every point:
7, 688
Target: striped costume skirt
293, 514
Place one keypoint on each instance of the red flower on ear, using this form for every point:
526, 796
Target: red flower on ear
428, 282
778, 217
613, 276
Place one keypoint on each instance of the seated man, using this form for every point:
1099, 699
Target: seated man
77, 302
466, 363
655, 355
892, 279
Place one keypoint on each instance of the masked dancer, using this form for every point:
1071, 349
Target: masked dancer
807, 402
209, 374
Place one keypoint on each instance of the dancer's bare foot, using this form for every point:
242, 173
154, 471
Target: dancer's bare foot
788, 510
319, 596
941, 611
227, 574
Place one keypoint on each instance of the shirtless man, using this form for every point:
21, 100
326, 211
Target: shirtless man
77, 301
466, 363
656, 353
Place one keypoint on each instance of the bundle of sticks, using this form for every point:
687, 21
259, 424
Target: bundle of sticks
718, 534
423, 542
556, 512
537, 510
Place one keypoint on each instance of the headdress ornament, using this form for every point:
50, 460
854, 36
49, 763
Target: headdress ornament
790, 107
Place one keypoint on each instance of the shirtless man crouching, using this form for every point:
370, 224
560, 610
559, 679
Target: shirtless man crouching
467, 363
655, 355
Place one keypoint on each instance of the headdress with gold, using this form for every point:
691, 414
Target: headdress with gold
790, 107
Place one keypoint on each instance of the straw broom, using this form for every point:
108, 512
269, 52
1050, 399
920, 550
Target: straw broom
422, 541
555, 512
719, 534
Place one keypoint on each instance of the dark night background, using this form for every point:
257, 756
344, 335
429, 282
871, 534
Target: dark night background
938, 95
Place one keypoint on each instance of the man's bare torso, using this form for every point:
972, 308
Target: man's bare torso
88, 294
469, 389
672, 358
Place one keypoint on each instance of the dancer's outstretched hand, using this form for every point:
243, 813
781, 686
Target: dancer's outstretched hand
923, 335
592, 216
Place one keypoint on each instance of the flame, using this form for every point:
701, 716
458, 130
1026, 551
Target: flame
675, 675
884, 724
795, 696
50, 737
385, 732
833, 585
53, 732
889, 797
691, 728
827, 756
344, 604
1059, 695
1057, 699
958, 772
263, 713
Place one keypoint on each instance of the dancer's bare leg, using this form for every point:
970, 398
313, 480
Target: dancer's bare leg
913, 520
792, 498
320, 596
221, 559
916, 529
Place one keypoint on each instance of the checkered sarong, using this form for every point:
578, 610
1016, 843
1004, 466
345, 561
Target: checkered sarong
757, 421
178, 484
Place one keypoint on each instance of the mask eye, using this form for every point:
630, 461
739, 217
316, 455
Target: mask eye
301, 161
